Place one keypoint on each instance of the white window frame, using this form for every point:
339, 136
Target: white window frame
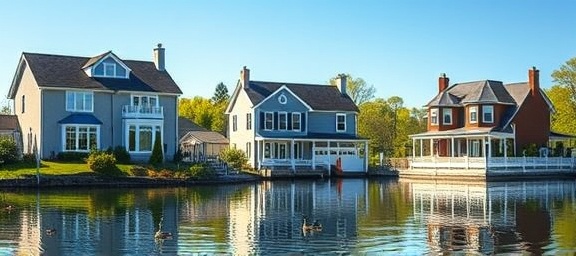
337, 122
282, 119
105, 65
248, 149
138, 123
447, 112
266, 120
473, 118
296, 121
434, 116
115, 64
85, 96
77, 139
141, 96
485, 110
234, 123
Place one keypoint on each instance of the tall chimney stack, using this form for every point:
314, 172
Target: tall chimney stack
534, 80
341, 82
245, 77
159, 58
443, 82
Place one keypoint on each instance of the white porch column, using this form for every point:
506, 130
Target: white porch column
329, 160
292, 155
421, 147
431, 147
505, 152
452, 147
313, 155
413, 148
366, 157
260, 153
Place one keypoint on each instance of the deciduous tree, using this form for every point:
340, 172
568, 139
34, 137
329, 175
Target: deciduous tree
358, 90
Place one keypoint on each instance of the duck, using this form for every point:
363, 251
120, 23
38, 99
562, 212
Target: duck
162, 234
50, 231
316, 226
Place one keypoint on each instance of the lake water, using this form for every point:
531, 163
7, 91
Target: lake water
358, 217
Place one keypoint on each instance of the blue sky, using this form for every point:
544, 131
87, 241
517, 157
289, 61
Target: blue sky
400, 47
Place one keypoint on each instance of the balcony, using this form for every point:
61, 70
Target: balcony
129, 111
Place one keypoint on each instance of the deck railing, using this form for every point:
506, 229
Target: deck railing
129, 111
493, 163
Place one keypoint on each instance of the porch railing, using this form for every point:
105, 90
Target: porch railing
297, 162
493, 163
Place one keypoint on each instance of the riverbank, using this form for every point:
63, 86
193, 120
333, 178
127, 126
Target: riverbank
94, 180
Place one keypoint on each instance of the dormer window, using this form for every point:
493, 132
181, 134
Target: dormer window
110, 67
447, 116
473, 111
433, 116
488, 114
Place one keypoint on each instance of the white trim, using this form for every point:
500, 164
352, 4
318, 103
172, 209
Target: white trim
233, 98
444, 112
282, 99
140, 96
75, 108
138, 123
475, 108
338, 115
116, 59
279, 90
299, 121
271, 123
285, 120
491, 107
435, 112
77, 139
334, 111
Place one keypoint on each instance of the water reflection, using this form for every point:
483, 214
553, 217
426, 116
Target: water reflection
358, 216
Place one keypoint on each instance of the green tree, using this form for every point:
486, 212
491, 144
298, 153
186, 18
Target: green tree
157, 156
565, 76
204, 112
563, 119
221, 94
6, 110
358, 90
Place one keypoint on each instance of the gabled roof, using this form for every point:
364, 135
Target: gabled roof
318, 97
59, 71
95, 59
199, 137
9, 122
186, 125
486, 91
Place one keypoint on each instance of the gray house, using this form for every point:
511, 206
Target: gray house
296, 126
73, 104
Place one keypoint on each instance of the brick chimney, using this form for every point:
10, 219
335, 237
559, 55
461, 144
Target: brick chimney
341, 81
159, 58
245, 77
534, 80
443, 82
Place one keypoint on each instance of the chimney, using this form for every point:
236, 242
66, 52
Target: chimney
534, 80
245, 77
159, 58
443, 82
341, 81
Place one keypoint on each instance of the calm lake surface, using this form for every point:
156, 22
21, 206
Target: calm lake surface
358, 217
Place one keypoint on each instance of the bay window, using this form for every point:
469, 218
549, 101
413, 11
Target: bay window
81, 138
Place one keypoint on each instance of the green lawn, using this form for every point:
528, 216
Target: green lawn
47, 168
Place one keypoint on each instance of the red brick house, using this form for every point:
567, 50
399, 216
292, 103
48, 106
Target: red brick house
477, 124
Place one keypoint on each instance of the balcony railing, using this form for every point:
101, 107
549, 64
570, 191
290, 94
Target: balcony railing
129, 111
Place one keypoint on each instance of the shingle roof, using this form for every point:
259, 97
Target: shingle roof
66, 71
186, 125
9, 122
80, 118
486, 91
198, 137
318, 97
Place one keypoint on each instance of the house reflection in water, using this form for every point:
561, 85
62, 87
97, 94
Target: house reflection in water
482, 216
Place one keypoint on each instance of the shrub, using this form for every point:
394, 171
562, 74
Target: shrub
8, 150
235, 158
139, 171
29, 158
71, 156
177, 156
121, 155
156, 158
201, 171
102, 162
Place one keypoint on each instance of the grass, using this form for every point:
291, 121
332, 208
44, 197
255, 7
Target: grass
49, 168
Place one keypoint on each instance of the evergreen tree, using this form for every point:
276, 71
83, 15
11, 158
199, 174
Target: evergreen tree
221, 94
157, 157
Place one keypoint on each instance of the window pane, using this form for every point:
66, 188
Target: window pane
136, 101
82, 138
93, 138
153, 101
121, 72
267, 150
109, 69
70, 101
132, 138
295, 121
70, 138
79, 102
268, 121
88, 101
145, 138
282, 117
99, 70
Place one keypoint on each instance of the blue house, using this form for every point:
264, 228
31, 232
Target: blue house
289, 126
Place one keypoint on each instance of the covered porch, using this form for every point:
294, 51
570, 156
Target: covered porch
304, 154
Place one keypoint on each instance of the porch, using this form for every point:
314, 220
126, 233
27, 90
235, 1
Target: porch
299, 155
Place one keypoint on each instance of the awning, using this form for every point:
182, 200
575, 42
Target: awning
80, 118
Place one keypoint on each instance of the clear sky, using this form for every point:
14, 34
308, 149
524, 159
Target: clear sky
400, 47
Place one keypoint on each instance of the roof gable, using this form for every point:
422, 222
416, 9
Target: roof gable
280, 91
486, 91
60, 71
316, 97
106, 65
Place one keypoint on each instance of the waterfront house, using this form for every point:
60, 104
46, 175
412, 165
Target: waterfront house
74, 104
486, 128
296, 127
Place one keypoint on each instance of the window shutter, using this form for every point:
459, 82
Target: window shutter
262, 120
303, 122
275, 120
290, 121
